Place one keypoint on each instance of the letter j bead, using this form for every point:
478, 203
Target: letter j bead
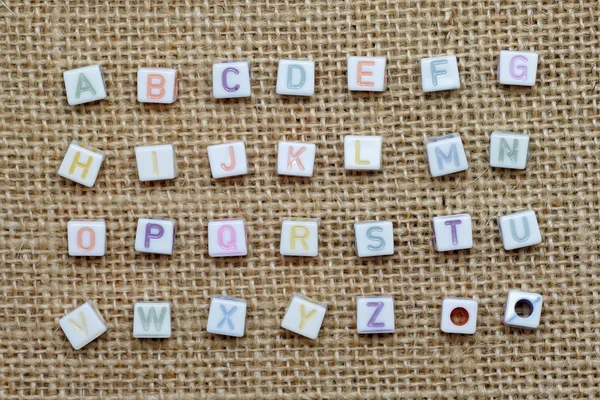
453, 232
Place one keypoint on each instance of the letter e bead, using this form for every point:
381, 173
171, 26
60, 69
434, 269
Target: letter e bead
446, 155
87, 237
227, 316
519, 230
157, 85
304, 316
453, 232
155, 235
517, 68
83, 325
227, 238
81, 164
374, 238
440, 73
84, 85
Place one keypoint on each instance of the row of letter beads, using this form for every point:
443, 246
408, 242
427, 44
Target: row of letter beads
228, 237
231, 79
446, 155
227, 316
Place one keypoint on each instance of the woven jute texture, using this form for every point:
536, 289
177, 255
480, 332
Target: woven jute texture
39, 282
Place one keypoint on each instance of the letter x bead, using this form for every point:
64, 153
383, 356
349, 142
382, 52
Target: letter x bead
155, 235
520, 229
84, 85
375, 314
453, 232
446, 155
81, 164
227, 316
304, 316
83, 325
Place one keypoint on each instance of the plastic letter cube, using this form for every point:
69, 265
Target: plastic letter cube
295, 158
453, 232
86, 237
152, 319
84, 85
440, 73
519, 230
375, 314
367, 74
157, 85
155, 235
362, 152
227, 159
304, 316
155, 163
523, 309
517, 68
459, 316
446, 155
83, 325
227, 238
375, 238
509, 150
227, 316
81, 164
299, 238
296, 77
231, 79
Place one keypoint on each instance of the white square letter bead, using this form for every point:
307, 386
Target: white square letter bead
295, 158
81, 164
375, 314
446, 155
453, 232
157, 85
227, 238
304, 316
299, 238
517, 68
459, 316
227, 159
83, 325
231, 79
523, 309
155, 163
509, 150
86, 237
362, 152
296, 77
227, 316
152, 319
519, 230
440, 73
367, 74
84, 85
374, 238
155, 235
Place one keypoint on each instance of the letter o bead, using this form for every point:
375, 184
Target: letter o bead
227, 316
374, 238
519, 230
517, 68
155, 235
84, 85
227, 238
453, 232
87, 237
157, 85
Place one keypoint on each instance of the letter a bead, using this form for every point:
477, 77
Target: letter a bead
152, 319
459, 316
227, 238
375, 314
299, 238
155, 163
523, 309
87, 237
295, 158
375, 238
519, 230
227, 316
509, 150
440, 73
81, 164
84, 85
453, 232
367, 74
296, 78
446, 155
157, 85
231, 79
304, 316
83, 325
227, 159
154, 235
517, 68
362, 152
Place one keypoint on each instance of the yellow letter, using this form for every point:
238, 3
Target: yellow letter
357, 159
155, 163
83, 329
76, 163
305, 317
302, 238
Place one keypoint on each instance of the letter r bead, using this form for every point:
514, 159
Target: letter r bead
453, 232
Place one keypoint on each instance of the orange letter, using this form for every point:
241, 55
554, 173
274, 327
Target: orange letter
362, 73
155, 90
295, 158
232, 157
80, 239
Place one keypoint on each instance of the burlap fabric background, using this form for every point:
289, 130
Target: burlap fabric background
39, 282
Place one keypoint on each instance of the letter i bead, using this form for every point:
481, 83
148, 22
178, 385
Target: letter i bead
304, 316
375, 314
227, 316
157, 85
155, 235
83, 325
152, 319
81, 164
155, 163
453, 232
520, 229
374, 238
517, 68
84, 85
446, 155
227, 238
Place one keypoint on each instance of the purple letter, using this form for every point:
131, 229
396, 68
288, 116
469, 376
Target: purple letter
372, 323
224, 79
159, 231
453, 224
521, 68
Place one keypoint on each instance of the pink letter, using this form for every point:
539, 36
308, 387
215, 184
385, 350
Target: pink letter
231, 244
521, 68
232, 157
158, 233
295, 158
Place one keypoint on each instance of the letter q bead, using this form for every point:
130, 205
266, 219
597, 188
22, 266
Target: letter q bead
446, 155
375, 314
453, 232
519, 230
367, 74
523, 309
155, 163
227, 238
374, 238
440, 73
295, 158
228, 159
157, 85
296, 78
227, 316
459, 316
83, 325
304, 316
154, 235
84, 85
231, 79
81, 164
517, 68
87, 237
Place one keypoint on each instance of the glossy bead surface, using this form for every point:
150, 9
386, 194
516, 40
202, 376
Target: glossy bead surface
367, 74
83, 325
362, 152
155, 163
84, 85
228, 159
296, 78
227, 238
375, 314
81, 164
374, 238
517, 68
453, 232
299, 238
295, 158
523, 309
231, 79
446, 155
227, 316
155, 235
86, 237
459, 316
519, 230
157, 85
304, 316
152, 319
509, 150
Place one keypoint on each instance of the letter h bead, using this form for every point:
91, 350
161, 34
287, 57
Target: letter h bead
453, 232
81, 164
517, 68
227, 238
227, 316
155, 235
157, 85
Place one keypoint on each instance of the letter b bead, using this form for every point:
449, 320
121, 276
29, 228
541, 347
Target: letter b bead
227, 238
517, 68
453, 232
157, 85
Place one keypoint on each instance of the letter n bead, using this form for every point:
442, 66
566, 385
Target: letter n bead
84, 85
295, 158
367, 74
459, 316
520, 229
83, 325
157, 85
296, 77
152, 319
446, 155
228, 159
509, 150
453, 232
374, 238
81, 164
440, 73
155, 163
375, 314
231, 79
227, 316
523, 309
304, 316
155, 235
299, 238
87, 237
517, 68
227, 238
